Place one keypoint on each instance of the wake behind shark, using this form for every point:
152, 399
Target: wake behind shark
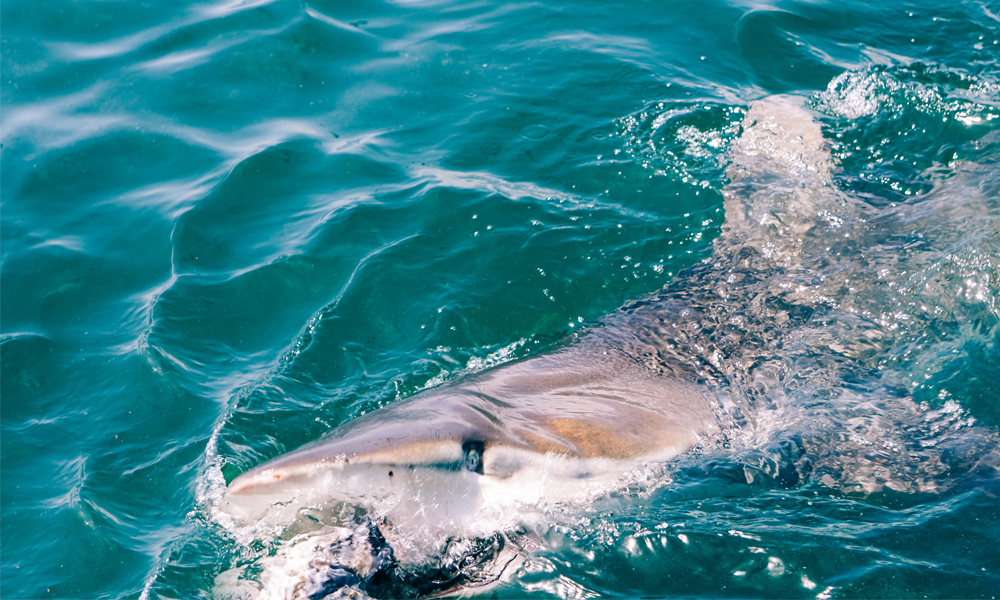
705, 361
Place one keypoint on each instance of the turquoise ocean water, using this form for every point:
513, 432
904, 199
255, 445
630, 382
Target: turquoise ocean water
228, 227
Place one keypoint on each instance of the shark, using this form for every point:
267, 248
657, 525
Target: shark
661, 376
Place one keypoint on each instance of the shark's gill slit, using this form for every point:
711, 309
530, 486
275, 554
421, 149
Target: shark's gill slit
473, 452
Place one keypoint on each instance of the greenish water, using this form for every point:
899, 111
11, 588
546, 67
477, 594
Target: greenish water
228, 227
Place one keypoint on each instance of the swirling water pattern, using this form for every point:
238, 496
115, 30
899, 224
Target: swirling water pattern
228, 227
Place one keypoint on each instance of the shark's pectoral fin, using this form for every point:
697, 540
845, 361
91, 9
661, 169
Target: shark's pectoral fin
780, 174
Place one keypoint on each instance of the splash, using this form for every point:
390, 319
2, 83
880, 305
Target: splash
684, 141
883, 117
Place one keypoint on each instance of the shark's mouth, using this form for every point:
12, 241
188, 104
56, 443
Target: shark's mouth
358, 561
368, 556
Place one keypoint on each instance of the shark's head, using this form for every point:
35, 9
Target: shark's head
468, 458
453, 471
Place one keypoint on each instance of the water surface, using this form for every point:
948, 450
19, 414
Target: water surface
228, 227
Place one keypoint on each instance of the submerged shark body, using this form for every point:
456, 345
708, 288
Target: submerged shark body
695, 365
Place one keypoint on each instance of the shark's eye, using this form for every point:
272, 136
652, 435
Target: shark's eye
473, 456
